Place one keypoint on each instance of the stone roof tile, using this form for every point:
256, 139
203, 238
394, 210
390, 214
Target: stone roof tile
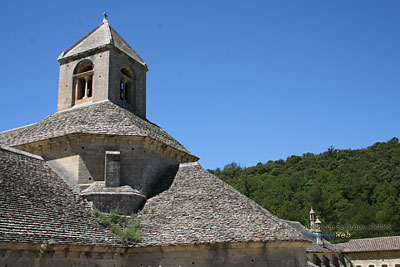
371, 244
200, 208
37, 206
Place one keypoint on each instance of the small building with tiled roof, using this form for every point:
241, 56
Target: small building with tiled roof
373, 252
320, 252
100, 151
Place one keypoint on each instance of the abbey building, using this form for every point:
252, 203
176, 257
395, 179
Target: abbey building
100, 151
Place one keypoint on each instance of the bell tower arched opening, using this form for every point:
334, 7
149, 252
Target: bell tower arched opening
127, 86
83, 82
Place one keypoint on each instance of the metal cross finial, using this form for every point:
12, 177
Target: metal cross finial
105, 16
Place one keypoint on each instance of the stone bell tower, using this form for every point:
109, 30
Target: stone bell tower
102, 66
99, 140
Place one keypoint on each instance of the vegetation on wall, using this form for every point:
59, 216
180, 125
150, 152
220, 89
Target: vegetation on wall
353, 191
125, 227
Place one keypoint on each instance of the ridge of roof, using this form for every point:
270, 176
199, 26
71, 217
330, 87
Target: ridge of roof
18, 128
20, 152
123, 45
63, 53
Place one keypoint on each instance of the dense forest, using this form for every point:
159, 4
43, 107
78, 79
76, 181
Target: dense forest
352, 191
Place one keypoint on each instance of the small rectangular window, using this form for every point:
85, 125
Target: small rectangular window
121, 90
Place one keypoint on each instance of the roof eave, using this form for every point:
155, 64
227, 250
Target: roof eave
62, 59
190, 156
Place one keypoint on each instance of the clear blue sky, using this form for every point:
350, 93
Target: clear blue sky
244, 81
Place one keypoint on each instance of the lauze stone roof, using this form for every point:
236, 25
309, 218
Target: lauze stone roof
200, 208
98, 118
371, 244
37, 206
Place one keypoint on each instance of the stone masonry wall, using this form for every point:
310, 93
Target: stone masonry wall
376, 258
80, 160
100, 80
117, 61
33, 255
275, 254
223, 255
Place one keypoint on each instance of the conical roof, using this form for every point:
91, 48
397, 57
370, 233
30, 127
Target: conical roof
102, 36
103, 118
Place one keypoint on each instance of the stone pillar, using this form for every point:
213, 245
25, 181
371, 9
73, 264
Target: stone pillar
112, 169
85, 89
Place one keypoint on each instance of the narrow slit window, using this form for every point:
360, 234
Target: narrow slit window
121, 90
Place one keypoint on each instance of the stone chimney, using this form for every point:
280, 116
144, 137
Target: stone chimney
312, 220
318, 231
112, 168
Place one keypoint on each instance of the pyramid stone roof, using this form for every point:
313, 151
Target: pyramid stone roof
102, 36
199, 208
103, 117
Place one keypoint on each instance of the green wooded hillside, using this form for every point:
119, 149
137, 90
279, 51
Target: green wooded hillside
351, 188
